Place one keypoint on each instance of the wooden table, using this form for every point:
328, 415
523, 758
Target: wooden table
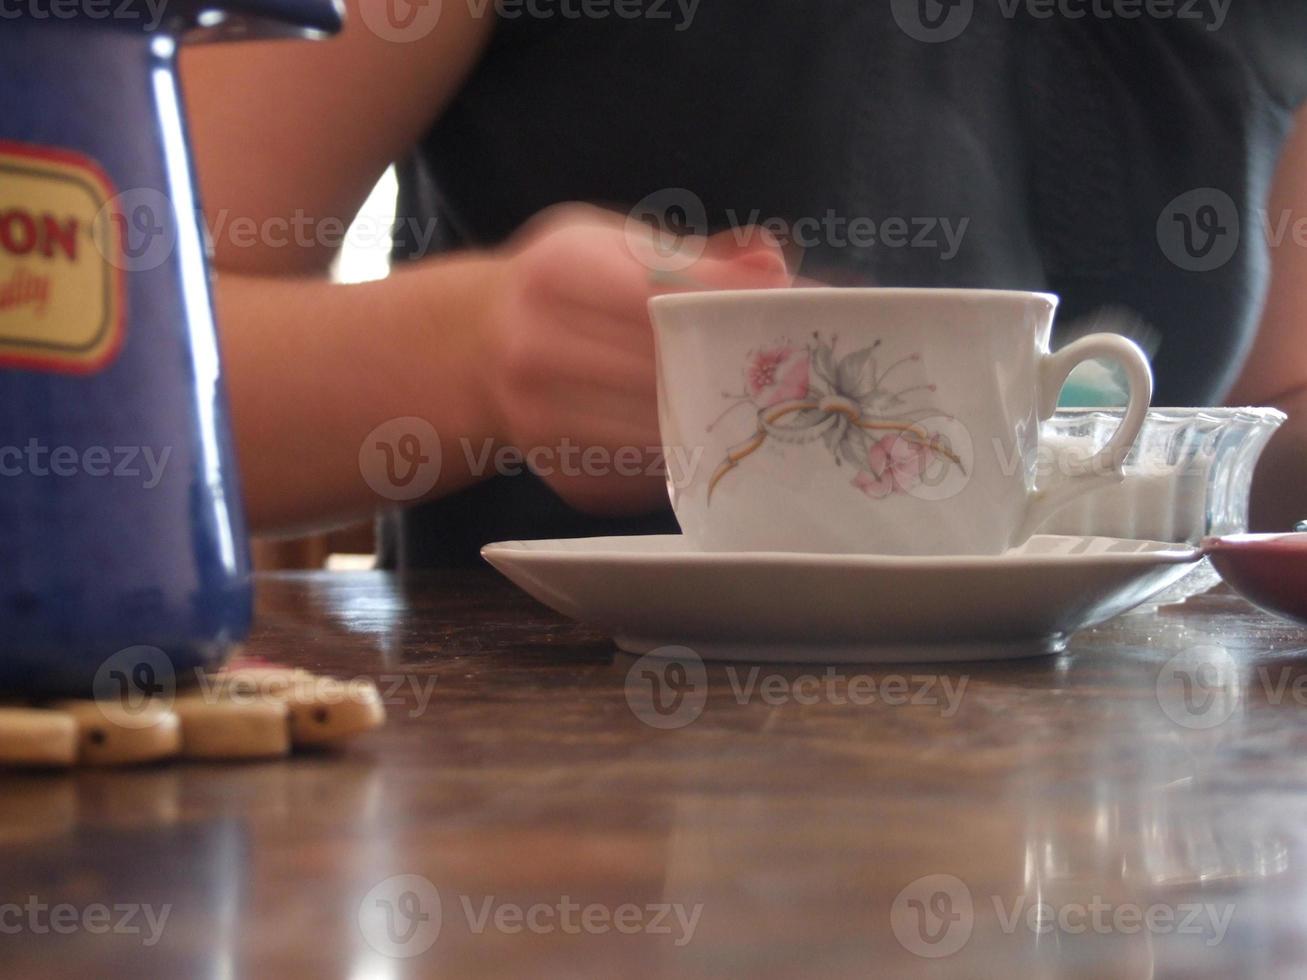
1149, 787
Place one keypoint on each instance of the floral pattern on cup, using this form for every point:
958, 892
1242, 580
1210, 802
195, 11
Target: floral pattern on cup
777, 374
805, 393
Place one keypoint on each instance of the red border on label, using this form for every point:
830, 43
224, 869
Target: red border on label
71, 158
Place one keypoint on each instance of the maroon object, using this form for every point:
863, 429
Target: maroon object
1269, 570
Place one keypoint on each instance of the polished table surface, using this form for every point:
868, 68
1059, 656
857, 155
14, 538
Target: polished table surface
542, 806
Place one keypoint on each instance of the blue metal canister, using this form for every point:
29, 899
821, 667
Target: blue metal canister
120, 514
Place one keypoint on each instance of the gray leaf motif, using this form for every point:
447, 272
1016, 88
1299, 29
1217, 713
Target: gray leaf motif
891, 405
852, 368
832, 438
822, 366
855, 447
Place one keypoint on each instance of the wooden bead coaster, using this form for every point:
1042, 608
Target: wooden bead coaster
247, 711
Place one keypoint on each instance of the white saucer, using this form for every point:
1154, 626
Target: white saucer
654, 591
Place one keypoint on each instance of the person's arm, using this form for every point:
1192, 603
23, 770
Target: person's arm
1276, 370
289, 138
313, 367
542, 341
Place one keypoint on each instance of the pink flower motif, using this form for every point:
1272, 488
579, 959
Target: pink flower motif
896, 464
777, 374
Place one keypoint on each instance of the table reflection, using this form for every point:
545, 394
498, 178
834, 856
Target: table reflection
1132, 808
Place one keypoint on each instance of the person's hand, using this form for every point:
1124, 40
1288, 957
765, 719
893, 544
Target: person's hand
570, 357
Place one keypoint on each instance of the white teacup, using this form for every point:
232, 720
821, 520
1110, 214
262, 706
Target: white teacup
870, 421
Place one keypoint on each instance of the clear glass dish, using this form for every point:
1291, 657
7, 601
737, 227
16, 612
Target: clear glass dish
1188, 477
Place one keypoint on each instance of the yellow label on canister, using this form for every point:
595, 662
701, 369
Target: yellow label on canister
62, 303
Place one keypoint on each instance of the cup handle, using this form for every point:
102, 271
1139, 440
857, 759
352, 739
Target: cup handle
1105, 468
